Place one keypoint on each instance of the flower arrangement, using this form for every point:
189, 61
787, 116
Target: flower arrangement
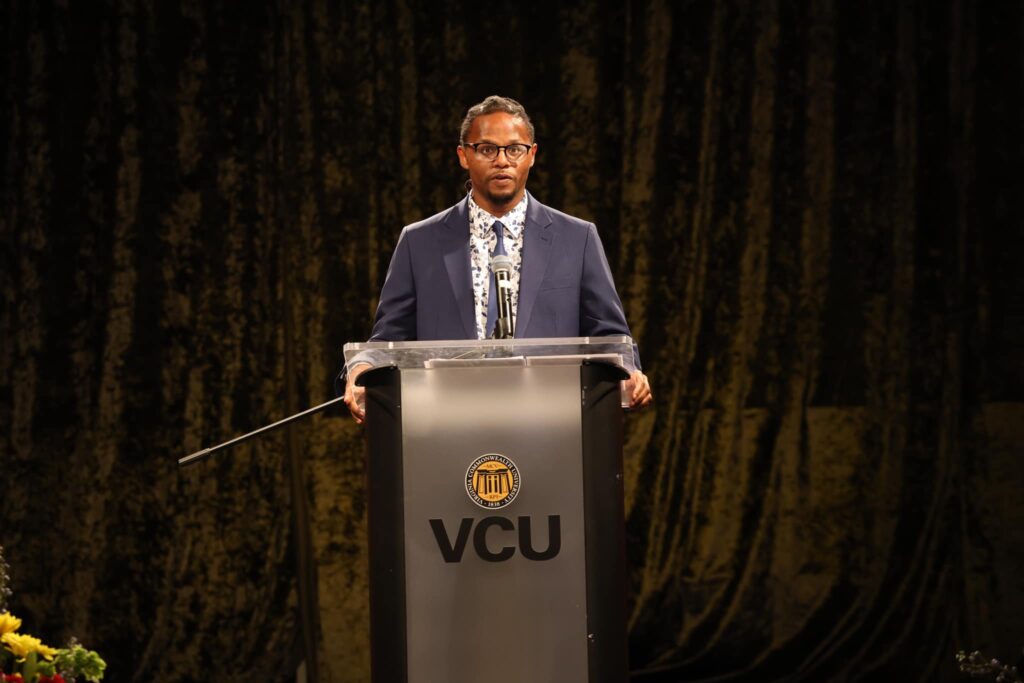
25, 659
977, 666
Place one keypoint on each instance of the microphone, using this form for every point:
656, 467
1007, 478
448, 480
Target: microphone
501, 266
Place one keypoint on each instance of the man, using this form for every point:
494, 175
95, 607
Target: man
438, 284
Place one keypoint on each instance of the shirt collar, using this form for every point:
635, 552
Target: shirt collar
480, 220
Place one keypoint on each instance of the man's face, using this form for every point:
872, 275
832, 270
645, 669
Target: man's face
498, 184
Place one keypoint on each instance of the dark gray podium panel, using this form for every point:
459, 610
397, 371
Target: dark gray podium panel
532, 590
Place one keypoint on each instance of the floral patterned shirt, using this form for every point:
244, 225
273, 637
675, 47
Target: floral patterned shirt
482, 241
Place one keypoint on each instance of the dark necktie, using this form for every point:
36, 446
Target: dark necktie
492, 296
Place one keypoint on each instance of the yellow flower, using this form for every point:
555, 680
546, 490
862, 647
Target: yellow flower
22, 646
46, 651
9, 623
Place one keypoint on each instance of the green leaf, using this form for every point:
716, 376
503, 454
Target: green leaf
45, 668
28, 669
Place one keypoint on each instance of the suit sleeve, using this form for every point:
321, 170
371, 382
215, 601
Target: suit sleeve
396, 311
601, 312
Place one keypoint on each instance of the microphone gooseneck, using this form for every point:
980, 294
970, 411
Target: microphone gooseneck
501, 266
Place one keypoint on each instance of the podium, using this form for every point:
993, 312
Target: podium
496, 510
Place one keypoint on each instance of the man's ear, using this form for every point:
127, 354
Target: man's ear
462, 157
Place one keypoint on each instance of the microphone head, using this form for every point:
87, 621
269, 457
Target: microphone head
501, 264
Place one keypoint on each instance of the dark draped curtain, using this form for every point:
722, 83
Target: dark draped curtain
809, 207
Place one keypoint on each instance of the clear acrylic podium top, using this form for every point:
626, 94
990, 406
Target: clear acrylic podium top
617, 351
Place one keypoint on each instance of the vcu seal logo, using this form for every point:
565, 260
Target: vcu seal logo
492, 481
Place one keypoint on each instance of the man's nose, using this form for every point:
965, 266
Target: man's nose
502, 158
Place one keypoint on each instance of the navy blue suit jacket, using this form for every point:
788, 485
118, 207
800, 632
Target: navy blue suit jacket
565, 286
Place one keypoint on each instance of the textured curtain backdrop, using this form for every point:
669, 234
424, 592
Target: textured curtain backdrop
808, 207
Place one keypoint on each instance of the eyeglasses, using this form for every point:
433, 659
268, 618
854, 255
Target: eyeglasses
489, 151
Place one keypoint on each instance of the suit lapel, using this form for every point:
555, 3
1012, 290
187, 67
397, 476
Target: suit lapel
453, 241
537, 241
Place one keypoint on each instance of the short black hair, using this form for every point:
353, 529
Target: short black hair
493, 104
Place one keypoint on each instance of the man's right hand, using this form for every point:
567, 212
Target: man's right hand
355, 397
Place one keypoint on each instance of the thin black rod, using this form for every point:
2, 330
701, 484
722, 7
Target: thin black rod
207, 452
